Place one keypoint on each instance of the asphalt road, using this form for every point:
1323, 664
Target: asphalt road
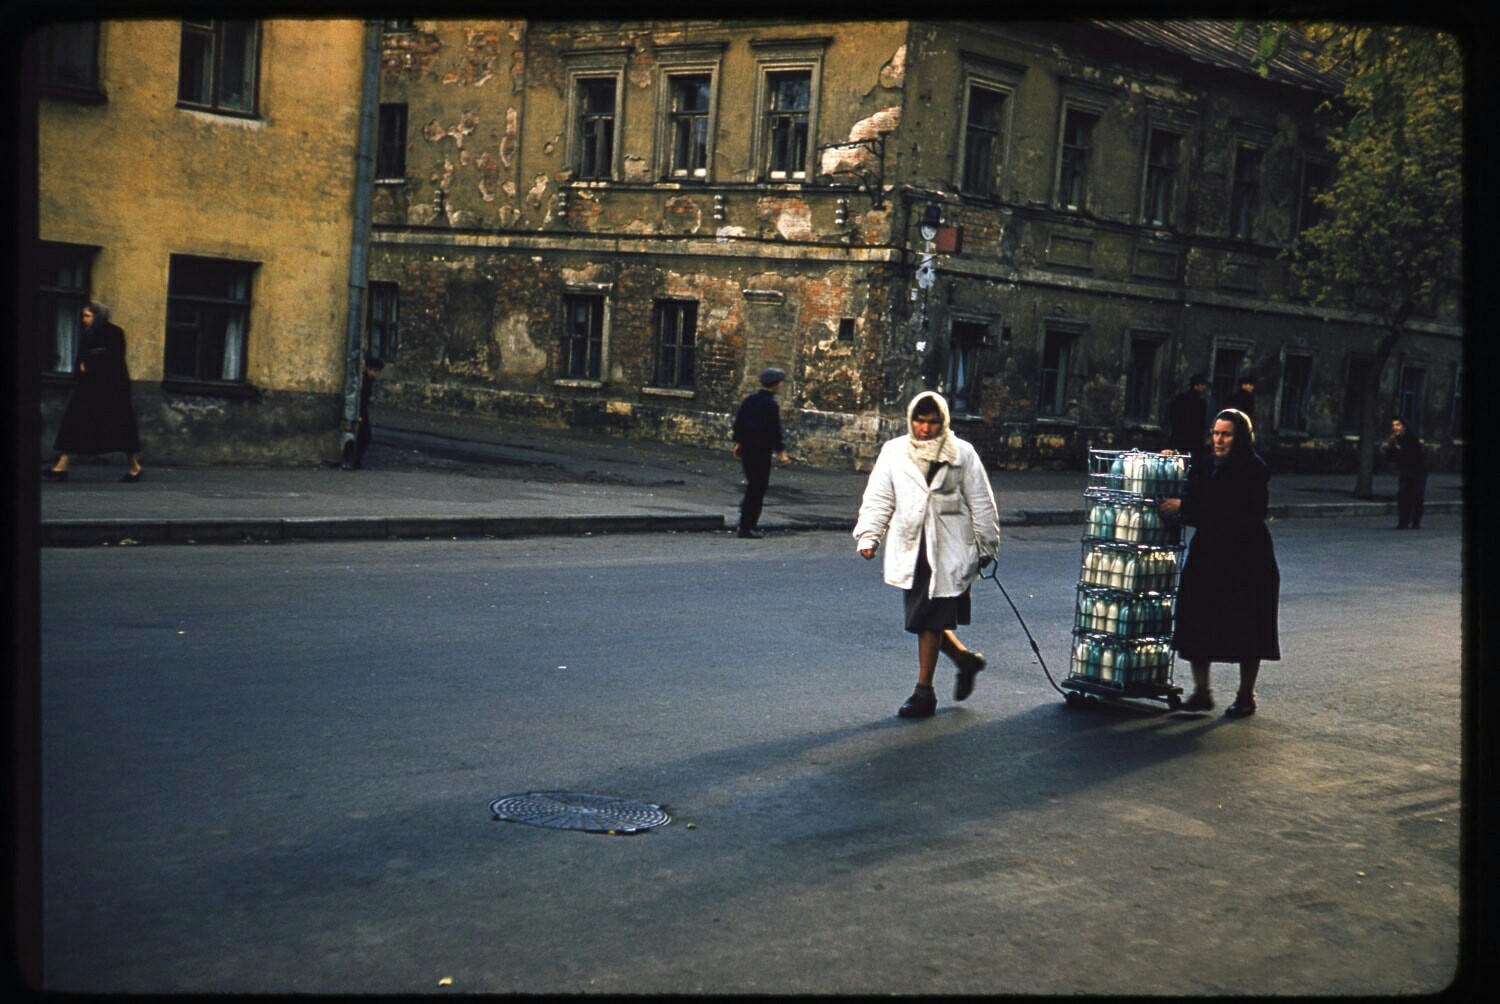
268, 768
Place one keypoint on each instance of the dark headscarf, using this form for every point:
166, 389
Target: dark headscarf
1244, 434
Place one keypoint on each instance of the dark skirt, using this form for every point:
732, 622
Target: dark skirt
929, 613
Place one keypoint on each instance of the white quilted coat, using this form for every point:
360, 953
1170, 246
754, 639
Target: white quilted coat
957, 512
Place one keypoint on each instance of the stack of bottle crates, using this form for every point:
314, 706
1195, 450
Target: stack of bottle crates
1127, 583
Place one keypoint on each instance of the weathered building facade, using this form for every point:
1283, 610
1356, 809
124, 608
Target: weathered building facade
617, 224
199, 176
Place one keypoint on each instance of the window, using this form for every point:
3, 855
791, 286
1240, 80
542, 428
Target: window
1409, 397
1244, 202
789, 105
1296, 392
68, 60
1354, 394
596, 128
583, 337
64, 293
1225, 379
383, 319
397, 25
981, 151
846, 329
689, 126
390, 157
677, 334
966, 343
1161, 177
1316, 176
217, 71
208, 314
1456, 412
1140, 376
1072, 179
1057, 354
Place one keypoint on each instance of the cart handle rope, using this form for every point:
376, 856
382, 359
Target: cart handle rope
994, 576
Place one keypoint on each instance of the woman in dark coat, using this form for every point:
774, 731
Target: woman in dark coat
1229, 593
99, 418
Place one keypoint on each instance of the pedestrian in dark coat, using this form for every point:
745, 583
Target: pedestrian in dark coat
1229, 593
757, 436
1188, 416
1243, 400
373, 366
1404, 449
99, 417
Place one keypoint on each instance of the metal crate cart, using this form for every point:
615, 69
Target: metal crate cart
1127, 583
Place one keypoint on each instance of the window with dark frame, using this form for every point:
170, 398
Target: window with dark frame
218, 68
789, 94
1409, 397
1244, 202
982, 141
382, 320
596, 128
390, 154
1354, 394
1072, 182
1140, 377
1057, 353
1296, 392
68, 59
583, 337
1161, 177
689, 125
63, 293
1225, 378
208, 319
676, 343
966, 342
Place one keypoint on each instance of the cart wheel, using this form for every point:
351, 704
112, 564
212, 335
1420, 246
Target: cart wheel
1074, 699
1174, 701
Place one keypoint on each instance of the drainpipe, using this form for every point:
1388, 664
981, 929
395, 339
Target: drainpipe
359, 254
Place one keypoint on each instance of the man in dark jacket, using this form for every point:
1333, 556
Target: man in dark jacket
1188, 416
1404, 449
757, 435
373, 366
1244, 398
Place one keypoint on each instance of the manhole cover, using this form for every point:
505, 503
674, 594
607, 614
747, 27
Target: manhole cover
563, 810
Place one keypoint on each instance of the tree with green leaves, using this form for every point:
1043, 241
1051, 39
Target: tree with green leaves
1388, 239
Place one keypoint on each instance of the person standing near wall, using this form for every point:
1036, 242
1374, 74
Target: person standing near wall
373, 366
1404, 449
757, 435
99, 417
1188, 416
1243, 400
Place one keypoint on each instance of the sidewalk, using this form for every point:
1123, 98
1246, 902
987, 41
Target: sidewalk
427, 476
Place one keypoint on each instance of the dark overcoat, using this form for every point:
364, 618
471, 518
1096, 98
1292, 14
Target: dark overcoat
1229, 593
99, 418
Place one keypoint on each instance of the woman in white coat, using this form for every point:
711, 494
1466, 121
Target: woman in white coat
929, 494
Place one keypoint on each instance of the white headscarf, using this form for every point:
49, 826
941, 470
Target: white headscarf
940, 448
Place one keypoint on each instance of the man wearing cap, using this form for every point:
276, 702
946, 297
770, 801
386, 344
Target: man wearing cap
757, 435
1188, 417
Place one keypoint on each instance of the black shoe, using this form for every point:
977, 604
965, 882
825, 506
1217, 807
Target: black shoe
969, 664
752, 535
48, 474
130, 479
919, 705
1199, 700
1241, 707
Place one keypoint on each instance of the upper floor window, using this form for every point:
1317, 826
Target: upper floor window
208, 319
1244, 202
1317, 175
383, 319
789, 106
676, 344
68, 60
689, 125
596, 128
218, 70
63, 293
982, 141
1162, 153
1072, 178
390, 154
